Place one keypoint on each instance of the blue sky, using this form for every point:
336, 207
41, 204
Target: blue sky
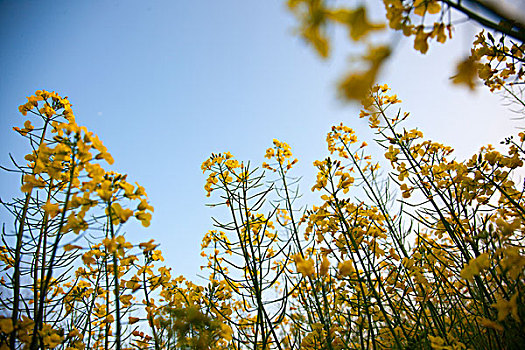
166, 83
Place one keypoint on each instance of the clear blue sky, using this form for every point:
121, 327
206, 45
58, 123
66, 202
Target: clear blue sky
166, 83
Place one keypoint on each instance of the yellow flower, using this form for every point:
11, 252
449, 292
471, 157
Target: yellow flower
420, 42
133, 284
356, 20
144, 205
392, 153
226, 332
325, 265
423, 6
490, 324
118, 213
269, 153
407, 191
475, 266
27, 128
305, 267
133, 320
106, 156
52, 209
110, 244
505, 308
69, 247
105, 191
144, 218
356, 85
437, 342
53, 340
467, 72
346, 268
6, 325
126, 300
439, 32
148, 246
157, 255
30, 181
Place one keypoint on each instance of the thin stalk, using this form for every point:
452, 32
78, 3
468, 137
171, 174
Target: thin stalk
116, 279
18, 249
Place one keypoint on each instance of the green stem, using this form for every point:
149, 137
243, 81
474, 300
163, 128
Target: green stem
18, 249
116, 275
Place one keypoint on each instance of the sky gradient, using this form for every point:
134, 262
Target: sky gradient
166, 83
